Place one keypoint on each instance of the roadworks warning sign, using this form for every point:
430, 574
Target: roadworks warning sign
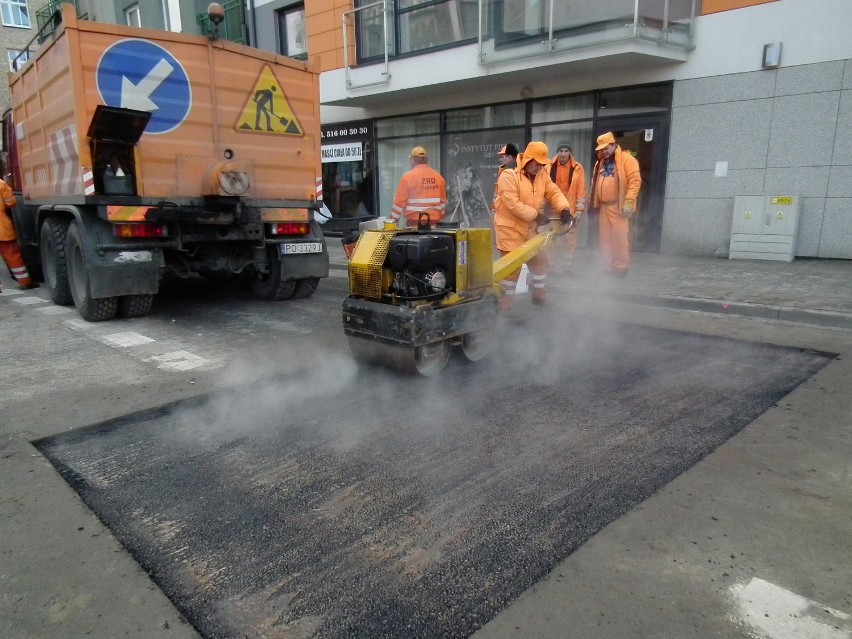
266, 109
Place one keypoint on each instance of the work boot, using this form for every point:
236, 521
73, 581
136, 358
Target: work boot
27, 287
539, 297
504, 303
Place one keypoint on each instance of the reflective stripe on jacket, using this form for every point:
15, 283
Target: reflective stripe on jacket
422, 189
7, 229
518, 202
629, 180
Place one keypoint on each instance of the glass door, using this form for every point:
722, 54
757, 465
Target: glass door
647, 139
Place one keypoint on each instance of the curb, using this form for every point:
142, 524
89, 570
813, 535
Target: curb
764, 311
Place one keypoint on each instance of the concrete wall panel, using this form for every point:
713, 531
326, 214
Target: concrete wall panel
840, 182
735, 132
837, 229
807, 181
725, 88
810, 226
697, 226
843, 140
810, 78
803, 129
704, 184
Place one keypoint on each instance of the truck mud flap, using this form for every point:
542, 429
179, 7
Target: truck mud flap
298, 267
131, 272
411, 327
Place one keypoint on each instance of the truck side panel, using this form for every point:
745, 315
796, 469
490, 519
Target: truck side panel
263, 108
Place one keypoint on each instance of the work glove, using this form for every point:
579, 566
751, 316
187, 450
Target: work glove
629, 208
566, 218
542, 219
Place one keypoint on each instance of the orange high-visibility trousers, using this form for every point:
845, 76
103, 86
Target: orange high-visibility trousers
614, 238
11, 254
538, 267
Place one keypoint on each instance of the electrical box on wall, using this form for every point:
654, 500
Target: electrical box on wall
764, 227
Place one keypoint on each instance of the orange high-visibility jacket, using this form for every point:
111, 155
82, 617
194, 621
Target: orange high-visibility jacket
7, 201
571, 179
518, 202
422, 189
629, 180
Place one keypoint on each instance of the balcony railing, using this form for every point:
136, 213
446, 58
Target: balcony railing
510, 30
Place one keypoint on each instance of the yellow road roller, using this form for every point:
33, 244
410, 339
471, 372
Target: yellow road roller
416, 294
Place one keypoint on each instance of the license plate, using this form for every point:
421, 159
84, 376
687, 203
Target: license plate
300, 248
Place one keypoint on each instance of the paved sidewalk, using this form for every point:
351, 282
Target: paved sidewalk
806, 291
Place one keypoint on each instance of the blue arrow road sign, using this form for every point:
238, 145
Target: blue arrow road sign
138, 74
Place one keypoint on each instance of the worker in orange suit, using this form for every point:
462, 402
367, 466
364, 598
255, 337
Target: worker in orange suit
522, 193
9, 250
570, 176
508, 156
421, 190
615, 187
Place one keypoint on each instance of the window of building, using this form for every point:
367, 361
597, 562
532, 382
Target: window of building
416, 25
171, 15
17, 58
132, 17
488, 117
576, 107
291, 32
15, 13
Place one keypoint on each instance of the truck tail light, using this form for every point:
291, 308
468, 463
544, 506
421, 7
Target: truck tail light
140, 230
289, 228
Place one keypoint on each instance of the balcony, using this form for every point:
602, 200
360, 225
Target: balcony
515, 40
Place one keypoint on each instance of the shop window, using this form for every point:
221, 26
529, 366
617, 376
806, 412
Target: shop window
394, 161
15, 13
409, 125
291, 32
578, 107
488, 117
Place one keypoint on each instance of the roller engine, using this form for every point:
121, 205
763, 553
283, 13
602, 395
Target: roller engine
423, 265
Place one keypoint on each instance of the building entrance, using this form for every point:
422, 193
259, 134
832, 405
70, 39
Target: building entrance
646, 137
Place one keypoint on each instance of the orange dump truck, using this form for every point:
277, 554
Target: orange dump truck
137, 152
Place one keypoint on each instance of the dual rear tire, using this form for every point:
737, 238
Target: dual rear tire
66, 274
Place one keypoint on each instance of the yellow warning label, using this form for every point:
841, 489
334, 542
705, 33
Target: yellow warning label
267, 110
781, 200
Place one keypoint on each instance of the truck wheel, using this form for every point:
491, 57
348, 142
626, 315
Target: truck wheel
305, 288
135, 305
270, 286
90, 309
52, 241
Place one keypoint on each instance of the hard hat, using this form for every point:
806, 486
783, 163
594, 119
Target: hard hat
417, 152
604, 141
536, 151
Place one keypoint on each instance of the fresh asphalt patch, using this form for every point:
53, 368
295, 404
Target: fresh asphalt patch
357, 502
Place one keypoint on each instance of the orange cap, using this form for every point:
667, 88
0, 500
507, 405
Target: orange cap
536, 151
417, 152
604, 141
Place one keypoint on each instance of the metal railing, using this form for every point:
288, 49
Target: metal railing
350, 23
510, 31
559, 25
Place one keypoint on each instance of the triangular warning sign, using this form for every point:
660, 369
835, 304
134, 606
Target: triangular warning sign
266, 109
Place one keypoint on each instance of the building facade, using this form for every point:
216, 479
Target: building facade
717, 99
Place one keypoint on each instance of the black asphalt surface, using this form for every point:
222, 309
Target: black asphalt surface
355, 502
